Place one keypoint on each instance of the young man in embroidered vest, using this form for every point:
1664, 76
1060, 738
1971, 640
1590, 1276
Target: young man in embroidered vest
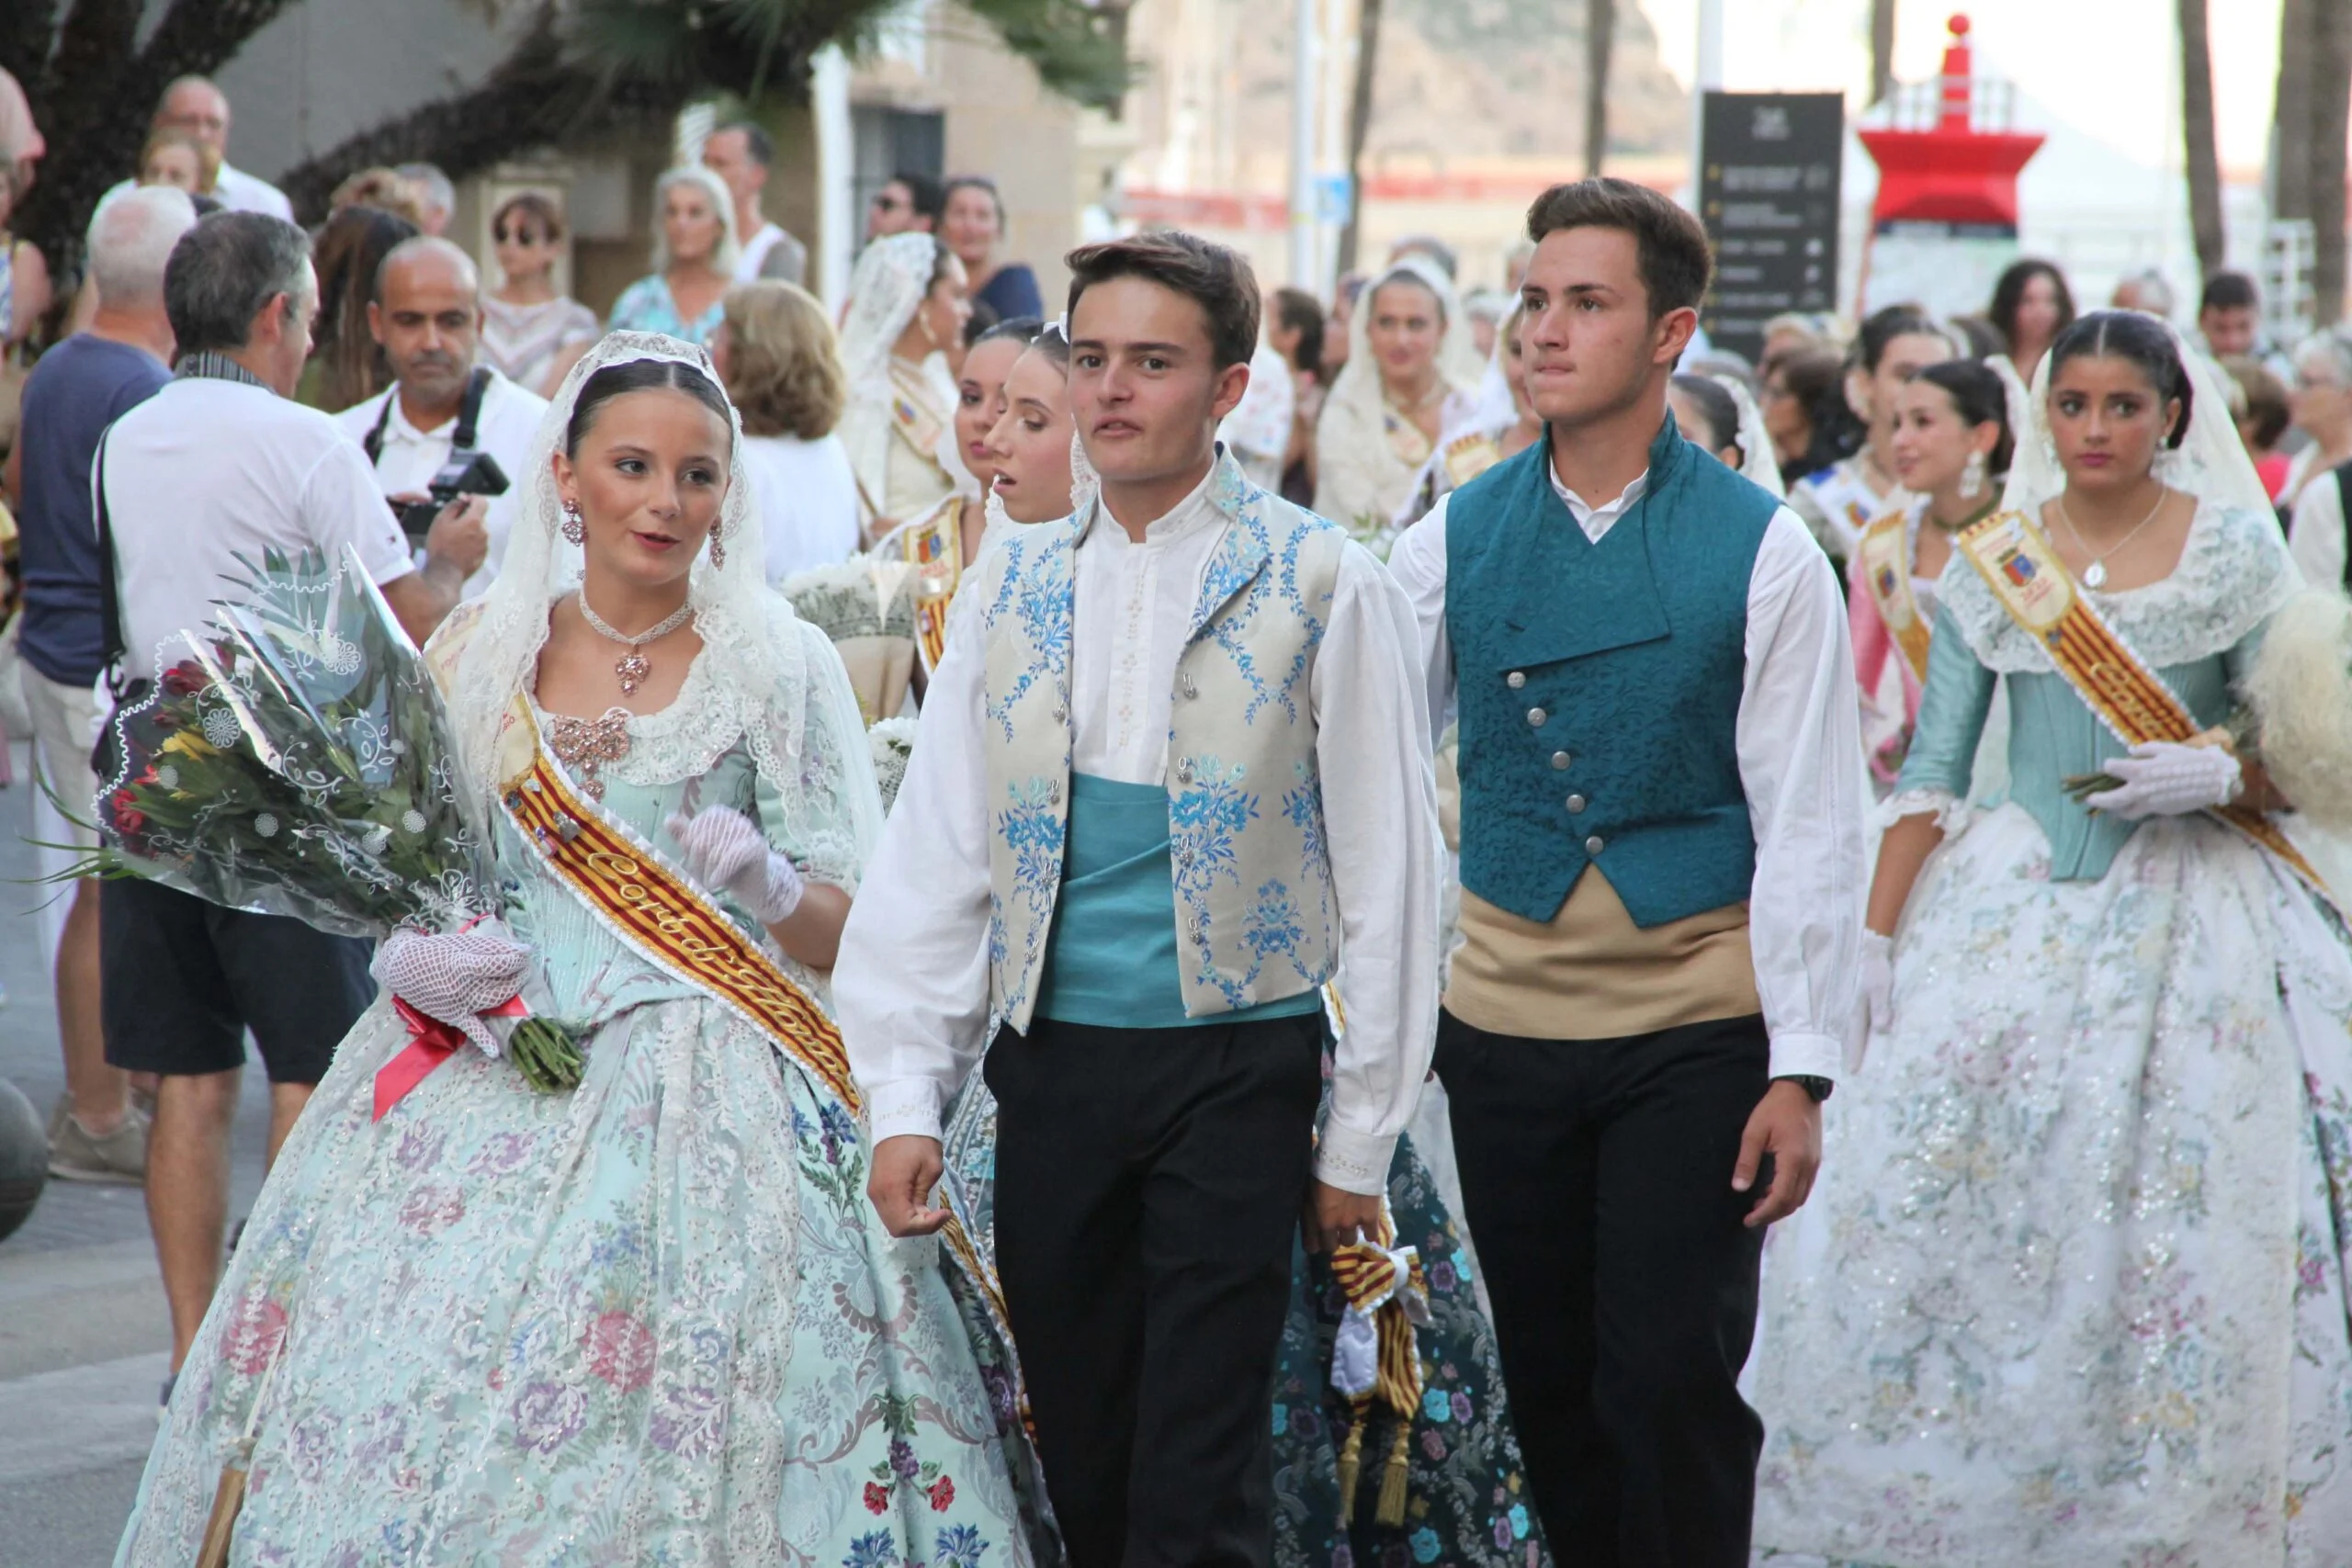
1662, 875
1190, 706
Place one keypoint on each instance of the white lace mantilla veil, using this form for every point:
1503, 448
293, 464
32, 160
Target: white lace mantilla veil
1354, 461
2234, 571
892, 278
755, 673
1757, 459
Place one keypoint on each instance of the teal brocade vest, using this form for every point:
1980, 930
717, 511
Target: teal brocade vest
1600, 685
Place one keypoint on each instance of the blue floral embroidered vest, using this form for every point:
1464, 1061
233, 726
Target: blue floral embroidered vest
1256, 921
1600, 685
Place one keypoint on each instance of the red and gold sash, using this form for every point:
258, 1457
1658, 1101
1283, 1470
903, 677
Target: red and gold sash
2034, 587
666, 920
1467, 456
935, 547
1882, 557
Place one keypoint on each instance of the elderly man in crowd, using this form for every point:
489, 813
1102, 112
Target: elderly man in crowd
78, 389
194, 105
425, 310
740, 153
222, 464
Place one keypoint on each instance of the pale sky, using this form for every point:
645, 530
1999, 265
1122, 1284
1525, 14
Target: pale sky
2108, 67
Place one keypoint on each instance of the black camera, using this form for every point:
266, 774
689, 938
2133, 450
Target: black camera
466, 473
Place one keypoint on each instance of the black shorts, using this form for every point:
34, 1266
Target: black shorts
181, 980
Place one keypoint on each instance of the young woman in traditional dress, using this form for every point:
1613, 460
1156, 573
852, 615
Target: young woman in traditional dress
899, 349
1411, 376
653, 1318
2071, 1288
1951, 448
1840, 501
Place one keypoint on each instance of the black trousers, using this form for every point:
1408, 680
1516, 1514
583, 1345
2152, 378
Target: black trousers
1148, 1192
1597, 1178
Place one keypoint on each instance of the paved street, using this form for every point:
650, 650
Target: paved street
83, 1335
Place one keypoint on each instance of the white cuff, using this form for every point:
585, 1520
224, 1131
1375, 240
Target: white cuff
1951, 812
1352, 1161
1796, 1055
902, 1107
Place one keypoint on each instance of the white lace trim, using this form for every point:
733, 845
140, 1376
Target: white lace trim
2234, 573
1952, 813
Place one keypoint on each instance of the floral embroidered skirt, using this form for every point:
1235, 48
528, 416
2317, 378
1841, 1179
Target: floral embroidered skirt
2072, 1287
651, 1321
1466, 1495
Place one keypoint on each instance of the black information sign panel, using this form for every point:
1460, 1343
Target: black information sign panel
1768, 192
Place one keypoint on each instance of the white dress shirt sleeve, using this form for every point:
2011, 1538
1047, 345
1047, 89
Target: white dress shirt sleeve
1417, 562
911, 988
1380, 807
342, 505
1799, 732
2317, 539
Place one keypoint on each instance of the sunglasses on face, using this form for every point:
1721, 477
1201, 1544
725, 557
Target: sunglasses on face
885, 202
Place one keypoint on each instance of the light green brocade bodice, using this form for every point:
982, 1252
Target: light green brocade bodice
2197, 628
590, 973
2053, 736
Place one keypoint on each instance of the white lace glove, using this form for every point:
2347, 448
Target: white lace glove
2168, 778
454, 977
722, 849
1874, 1001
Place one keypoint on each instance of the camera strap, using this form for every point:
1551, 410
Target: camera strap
468, 417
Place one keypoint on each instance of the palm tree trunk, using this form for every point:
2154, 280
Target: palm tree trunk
2331, 106
1359, 126
1600, 38
1882, 50
2291, 151
2204, 162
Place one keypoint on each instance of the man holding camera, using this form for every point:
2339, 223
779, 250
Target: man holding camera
446, 428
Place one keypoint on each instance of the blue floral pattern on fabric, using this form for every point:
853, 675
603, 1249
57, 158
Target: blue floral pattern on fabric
1253, 887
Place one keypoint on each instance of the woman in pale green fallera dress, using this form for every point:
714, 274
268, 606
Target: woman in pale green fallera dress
653, 1319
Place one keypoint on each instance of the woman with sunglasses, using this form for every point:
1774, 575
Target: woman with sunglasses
531, 334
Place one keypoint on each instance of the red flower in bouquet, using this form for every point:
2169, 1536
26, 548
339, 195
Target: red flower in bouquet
184, 679
128, 819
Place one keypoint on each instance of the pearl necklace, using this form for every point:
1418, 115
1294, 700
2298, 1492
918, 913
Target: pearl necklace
633, 667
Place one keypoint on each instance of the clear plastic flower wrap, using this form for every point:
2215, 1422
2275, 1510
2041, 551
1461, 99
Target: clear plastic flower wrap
296, 761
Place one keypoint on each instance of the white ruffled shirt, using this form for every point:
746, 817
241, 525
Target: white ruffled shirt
1798, 734
911, 986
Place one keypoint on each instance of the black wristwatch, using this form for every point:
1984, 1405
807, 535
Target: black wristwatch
1818, 1087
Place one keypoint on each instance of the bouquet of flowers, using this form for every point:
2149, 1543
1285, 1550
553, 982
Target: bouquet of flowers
298, 761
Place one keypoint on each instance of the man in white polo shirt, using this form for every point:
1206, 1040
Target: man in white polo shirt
222, 463
194, 105
425, 310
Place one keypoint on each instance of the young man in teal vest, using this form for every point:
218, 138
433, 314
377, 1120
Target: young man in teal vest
1661, 892
1169, 778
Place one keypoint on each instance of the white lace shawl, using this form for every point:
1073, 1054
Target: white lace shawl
1757, 461
1360, 482
2234, 570
762, 679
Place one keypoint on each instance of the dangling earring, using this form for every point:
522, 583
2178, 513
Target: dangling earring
717, 550
575, 527
1972, 477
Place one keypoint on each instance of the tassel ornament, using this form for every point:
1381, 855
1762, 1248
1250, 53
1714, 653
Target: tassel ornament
1393, 1479
1351, 1460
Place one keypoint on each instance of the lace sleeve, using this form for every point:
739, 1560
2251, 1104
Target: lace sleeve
826, 815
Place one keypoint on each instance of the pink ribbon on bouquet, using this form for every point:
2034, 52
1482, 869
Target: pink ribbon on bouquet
443, 987
431, 1042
